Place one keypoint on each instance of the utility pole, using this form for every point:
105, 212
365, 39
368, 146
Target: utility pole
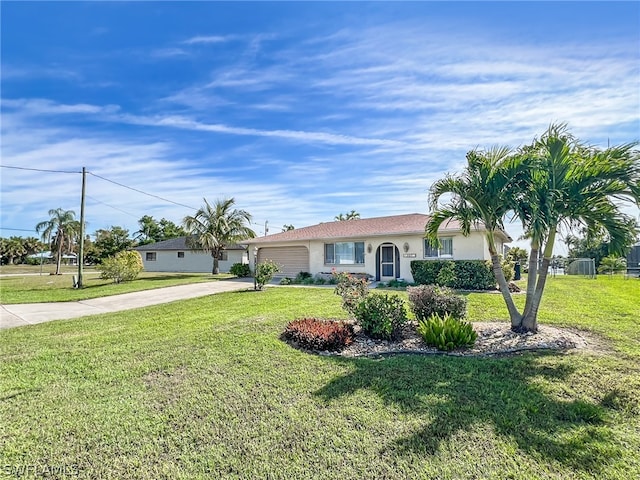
266, 228
81, 246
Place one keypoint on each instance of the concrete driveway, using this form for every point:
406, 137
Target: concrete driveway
33, 313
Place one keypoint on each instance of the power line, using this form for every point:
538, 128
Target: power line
37, 169
17, 229
144, 193
111, 206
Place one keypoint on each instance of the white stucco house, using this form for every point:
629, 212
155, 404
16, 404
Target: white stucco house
381, 247
173, 255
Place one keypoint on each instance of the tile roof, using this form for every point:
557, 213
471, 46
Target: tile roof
412, 223
179, 243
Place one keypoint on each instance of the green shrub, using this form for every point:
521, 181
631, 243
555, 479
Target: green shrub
265, 272
240, 270
319, 281
446, 333
285, 281
301, 277
381, 315
122, 267
467, 274
318, 334
427, 300
352, 289
474, 275
425, 272
508, 269
447, 275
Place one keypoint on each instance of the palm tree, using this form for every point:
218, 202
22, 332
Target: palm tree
59, 232
553, 182
214, 227
573, 185
482, 195
14, 248
612, 264
352, 215
32, 245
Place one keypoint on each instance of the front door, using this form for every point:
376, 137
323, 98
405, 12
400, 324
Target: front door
387, 262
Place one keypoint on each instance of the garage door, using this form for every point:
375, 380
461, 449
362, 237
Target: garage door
291, 260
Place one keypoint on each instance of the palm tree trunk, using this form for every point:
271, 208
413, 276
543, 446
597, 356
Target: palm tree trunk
216, 267
514, 315
59, 259
530, 320
532, 277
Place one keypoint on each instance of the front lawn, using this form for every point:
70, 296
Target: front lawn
59, 288
205, 389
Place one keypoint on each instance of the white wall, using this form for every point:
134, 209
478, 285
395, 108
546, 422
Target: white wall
193, 261
472, 247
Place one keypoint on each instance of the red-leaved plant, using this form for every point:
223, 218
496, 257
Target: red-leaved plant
319, 334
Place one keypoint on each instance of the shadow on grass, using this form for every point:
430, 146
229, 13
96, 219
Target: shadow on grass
456, 393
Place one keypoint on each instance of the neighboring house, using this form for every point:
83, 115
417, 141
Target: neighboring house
67, 258
173, 255
381, 247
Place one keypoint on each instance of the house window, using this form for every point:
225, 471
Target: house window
444, 250
180, 254
151, 256
344, 253
224, 256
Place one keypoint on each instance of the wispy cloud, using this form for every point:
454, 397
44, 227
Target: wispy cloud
209, 39
169, 52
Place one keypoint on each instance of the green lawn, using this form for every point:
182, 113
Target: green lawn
204, 388
48, 288
46, 269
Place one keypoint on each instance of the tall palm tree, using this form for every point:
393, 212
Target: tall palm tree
572, 184
482, 195
217, 226
59, 232
554, 181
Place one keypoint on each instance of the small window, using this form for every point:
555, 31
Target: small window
151, 256
224, 256
180, 254
444, 250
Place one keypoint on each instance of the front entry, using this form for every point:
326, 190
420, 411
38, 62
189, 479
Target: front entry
389, 262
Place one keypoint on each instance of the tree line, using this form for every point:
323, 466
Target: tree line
212, 228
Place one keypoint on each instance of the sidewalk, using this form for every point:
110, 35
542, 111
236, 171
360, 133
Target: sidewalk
32, 313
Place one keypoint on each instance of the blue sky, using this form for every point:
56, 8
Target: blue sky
300, 111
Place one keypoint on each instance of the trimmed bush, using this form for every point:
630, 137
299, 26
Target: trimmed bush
447, 275
446, 333
318, 334
240, 270
381, 315
425, 272
427, 300
122, 267
459, 274
351, 288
